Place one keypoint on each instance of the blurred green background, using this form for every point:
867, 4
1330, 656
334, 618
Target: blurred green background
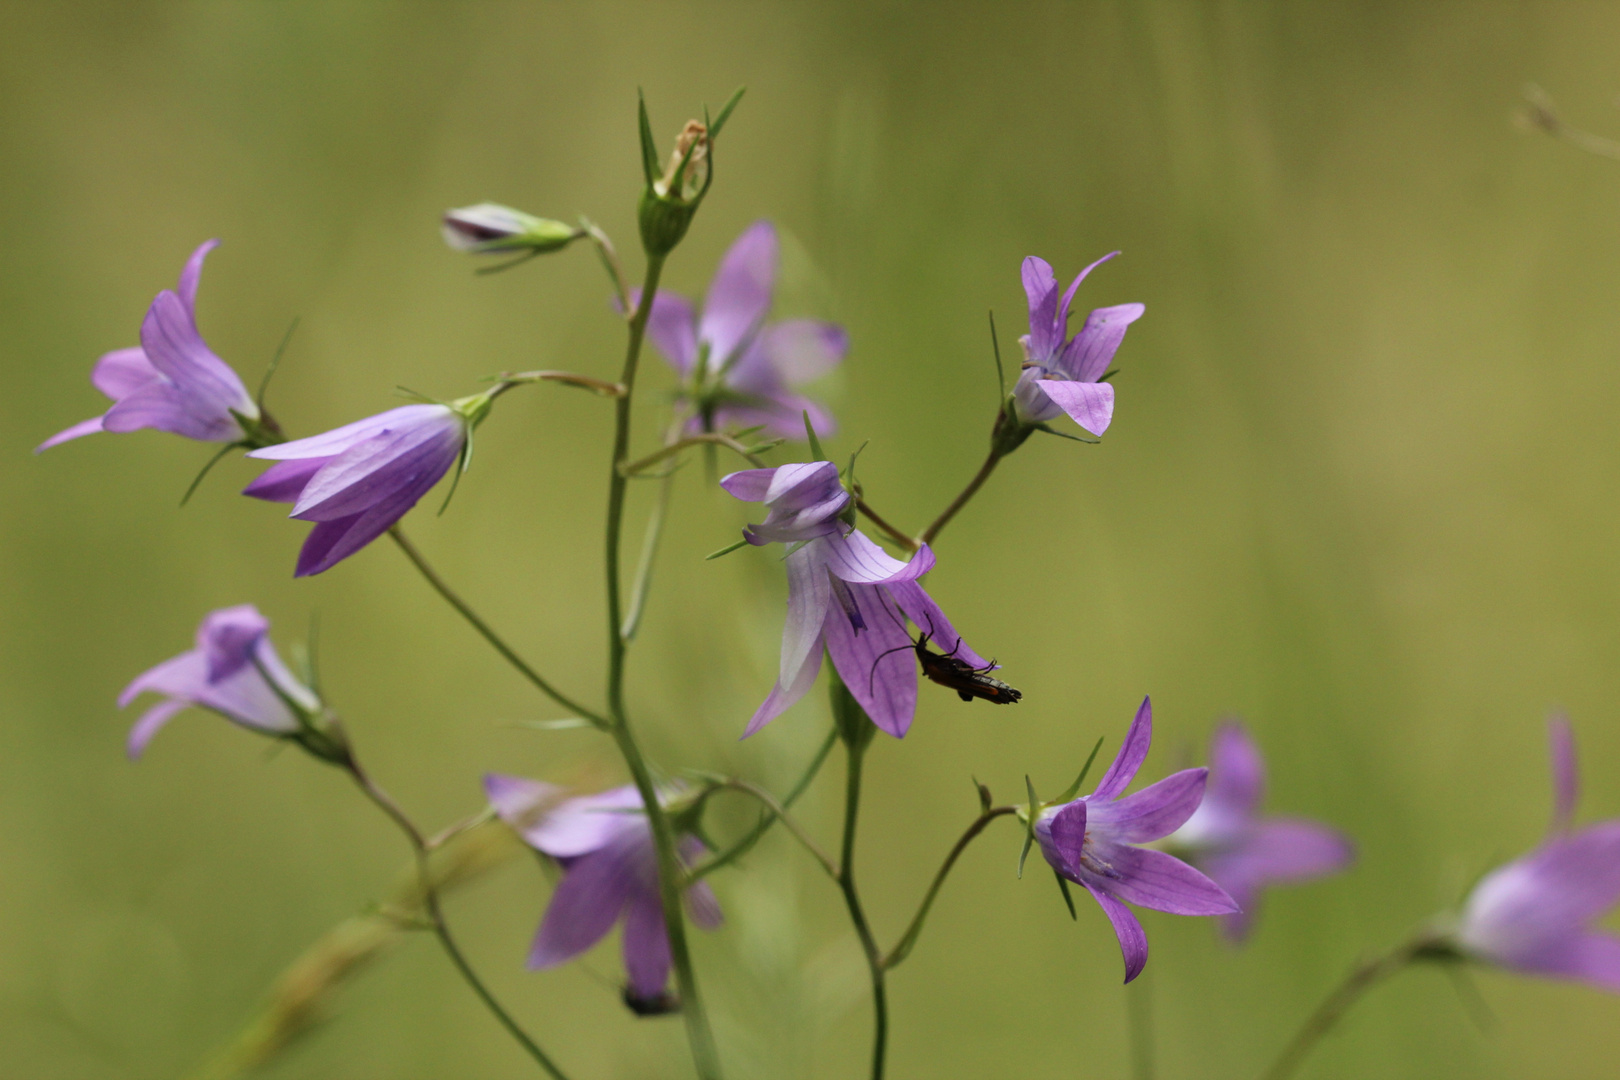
1359, 490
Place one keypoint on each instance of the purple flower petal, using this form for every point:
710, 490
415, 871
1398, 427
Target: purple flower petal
149, 723
1089, 404
192, 273
884, 685
161, 405
285, 480
1152, 879
925, 614
330, 542
672, 327
122, 372
206, 383
590, 822
524, 804
740, 294
380, 468
1068, 832
857, 560
800, 350
1154, 812
783, 696
646, 946
330, 444
77, 431
749, 485
584, 908
1237, 772
1087, 357
1040, 286
1068, 294
1284, 850
1132, 752
228, 639
1133, 941
1566, 773
781, 414
809, 596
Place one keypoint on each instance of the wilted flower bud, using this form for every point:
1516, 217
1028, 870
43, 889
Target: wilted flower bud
670, 200
489, 228
688, 165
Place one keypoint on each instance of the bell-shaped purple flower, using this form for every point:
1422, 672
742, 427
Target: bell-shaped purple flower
1061, 374
845, 594
738, 369
604, 845
172, 381
234, 671
1243, 852
355, 481
1093, 841
1536, 914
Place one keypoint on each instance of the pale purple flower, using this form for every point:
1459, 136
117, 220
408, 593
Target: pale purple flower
1536, 914
234, 671
1239, 849
355, 481
738, 369
172, 381
490, 228
1093, 840
845, 594
1061, 375
604, 845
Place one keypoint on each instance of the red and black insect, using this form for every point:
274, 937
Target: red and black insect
947, 670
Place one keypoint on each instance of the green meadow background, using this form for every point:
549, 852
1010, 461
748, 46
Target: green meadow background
1360, 490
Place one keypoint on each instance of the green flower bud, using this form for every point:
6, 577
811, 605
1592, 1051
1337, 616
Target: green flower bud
490, 228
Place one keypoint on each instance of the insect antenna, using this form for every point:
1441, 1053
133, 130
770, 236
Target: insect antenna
871, 680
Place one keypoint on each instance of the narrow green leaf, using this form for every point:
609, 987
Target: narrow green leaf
275, 362
555, 725
727, 550
995, 347
206, 469
1063, 884
1064, 435
1074, 788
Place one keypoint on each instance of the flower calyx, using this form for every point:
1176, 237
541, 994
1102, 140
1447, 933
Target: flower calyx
673, 193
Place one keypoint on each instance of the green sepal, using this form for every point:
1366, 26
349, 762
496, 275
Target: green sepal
815, 444
649, 149
1029, 823
725, 112
1074, 789
727, 550
1063, 885
1064, 435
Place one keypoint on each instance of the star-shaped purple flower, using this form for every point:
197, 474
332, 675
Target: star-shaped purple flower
1242, 851
737, 369
234, 671
355, 481
604, 845
1093, 840
172, 381
845, 594
1535, 914
1061, 374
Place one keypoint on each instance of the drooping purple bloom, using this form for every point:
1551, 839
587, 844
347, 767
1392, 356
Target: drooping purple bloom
172, 381
738, 369
1093, 840
1242, 851
234, 671
355, 481
845, 594
1535, 914
1061, 373
604, 845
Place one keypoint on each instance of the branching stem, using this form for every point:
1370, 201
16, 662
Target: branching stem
857, 914
746, 844
909, 939
968, 492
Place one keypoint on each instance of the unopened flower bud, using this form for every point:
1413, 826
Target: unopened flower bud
492, 228
670, 200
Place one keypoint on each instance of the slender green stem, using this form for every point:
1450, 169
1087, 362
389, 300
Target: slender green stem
909, 939
744, 845
1139, 1017
707, 438
655, 534
1361, 979
897, 535
857, 915
454, 600
705, 1055
968, 492
779, 812
422, 847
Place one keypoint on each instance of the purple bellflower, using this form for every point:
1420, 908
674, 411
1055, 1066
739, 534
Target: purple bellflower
1063, 374
738, 369
356, 481
1242, 851
1092, 841
235, 672
1535, 914
845, 594
604, 845
172, 381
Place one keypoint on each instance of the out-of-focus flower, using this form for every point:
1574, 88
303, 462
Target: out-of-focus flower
355, 481
234, 671
172, 381
738, 369
604, 845
1060, 374
490, 228
845, 594
1093, 840
1242, 851
1535, 914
